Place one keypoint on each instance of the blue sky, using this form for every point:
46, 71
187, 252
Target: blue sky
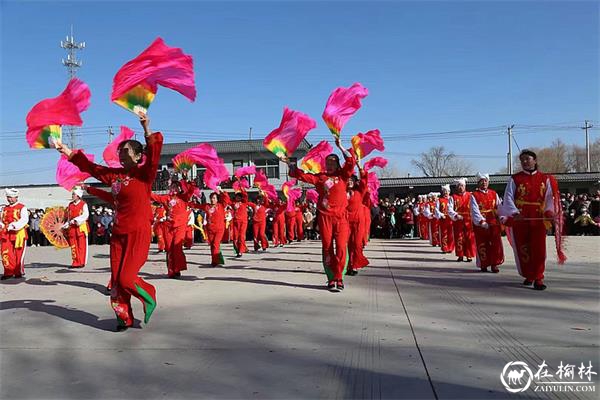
429, 67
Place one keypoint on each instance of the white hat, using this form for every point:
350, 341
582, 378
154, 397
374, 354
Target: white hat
446, 188
12, 192
481, 176
460, 181
78, 191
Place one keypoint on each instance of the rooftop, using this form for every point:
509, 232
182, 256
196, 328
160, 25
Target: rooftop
226, 147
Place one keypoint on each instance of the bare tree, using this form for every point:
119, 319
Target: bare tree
438, 162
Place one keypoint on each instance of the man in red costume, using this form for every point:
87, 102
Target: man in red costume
433, 225
76, 228
240, 222
290, 224
459, 209
529, 207
445, 223
300, 220
486, 225
333, 212
259, 222
13, 235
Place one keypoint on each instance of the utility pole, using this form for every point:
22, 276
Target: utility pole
587, 145
250, 134
72, 63
110, 135
509, 161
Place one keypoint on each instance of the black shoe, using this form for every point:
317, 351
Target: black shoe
483, 269
460, 259
331, 286
527, 282
339, 285
5, 277
238, 255
539, 286
122, 328
469, 259
495, 269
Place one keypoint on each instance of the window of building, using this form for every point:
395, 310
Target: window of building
269, 167
237, 164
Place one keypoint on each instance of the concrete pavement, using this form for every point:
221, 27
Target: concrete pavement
413, 325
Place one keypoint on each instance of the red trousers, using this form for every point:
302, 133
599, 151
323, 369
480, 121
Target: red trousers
356, 257
290, 225
299, 226
79, 248
260, 238
214, 240
188, 241
529, 246
128, 253
279, 231
239, 236
464, 238
176, 261
334, 230
489, 246
423, 227
13, 258
434, 232
446, 236
160, 236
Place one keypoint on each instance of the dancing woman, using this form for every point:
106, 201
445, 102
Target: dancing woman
333, 214
215, 223
131, 186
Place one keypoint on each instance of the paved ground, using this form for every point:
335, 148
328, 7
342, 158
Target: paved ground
414, 325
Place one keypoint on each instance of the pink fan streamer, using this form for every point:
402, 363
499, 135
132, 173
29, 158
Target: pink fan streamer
111, 154
341, 105
293, 128
61, 110
291, 193
312, 195
373, 184
68, 175
262, 183
364, 143
376, 162
314, 160
161, 65
206, 155
248, 170
241, 184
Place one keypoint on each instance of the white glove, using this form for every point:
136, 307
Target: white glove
11, 227
459, 217
65, 225
485, 225
1, 225
219, 189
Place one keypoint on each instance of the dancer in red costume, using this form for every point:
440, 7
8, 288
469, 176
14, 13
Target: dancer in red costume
215, 223
160, 218
423, 222
13, 235
290, 224
529, 206
188, 242
445, 223
300, 221
459, 209
486, 225
366, 209
259, 222
356, 221
240, 222
131, 187
433, 225
175, 204
333, 212
278, 208
77, 229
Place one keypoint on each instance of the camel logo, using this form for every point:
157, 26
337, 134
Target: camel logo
516, 377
